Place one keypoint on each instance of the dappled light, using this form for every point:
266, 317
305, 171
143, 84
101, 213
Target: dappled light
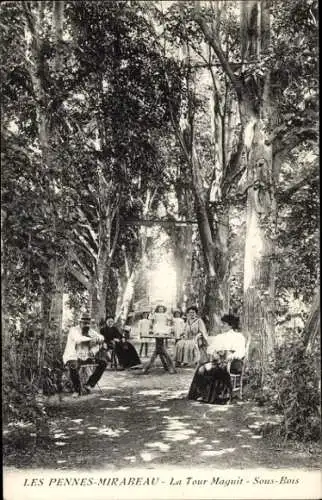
213, 453
175, 430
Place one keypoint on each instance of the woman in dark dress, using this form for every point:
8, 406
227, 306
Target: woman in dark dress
211, 382
125, 352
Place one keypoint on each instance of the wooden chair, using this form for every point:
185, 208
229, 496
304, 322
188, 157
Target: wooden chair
237, 380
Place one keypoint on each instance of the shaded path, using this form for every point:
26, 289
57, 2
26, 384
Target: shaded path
146, 421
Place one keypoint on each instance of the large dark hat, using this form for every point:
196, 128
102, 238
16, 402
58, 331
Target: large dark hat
231, 320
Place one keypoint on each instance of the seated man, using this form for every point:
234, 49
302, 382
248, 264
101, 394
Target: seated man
81, 347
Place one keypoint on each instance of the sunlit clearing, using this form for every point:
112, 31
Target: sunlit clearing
162, 283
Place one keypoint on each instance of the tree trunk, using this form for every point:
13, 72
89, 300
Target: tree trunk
259, 264
183, 260
56, 308
126, 296
312, 327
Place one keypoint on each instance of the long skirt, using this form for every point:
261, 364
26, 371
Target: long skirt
186, 352
211, 384
126, 354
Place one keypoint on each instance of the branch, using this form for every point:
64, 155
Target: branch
116, 235
215, 44
85, 245
88, 226
80, 277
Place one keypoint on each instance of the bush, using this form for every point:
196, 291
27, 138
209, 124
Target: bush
20, 385
293, 390
24, 382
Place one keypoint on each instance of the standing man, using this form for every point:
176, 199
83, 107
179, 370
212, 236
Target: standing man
81, 346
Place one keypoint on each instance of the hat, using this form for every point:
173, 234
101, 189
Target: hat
231, 320
160, 305
127, 328
85, 318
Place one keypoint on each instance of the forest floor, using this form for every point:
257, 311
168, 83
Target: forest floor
145, 420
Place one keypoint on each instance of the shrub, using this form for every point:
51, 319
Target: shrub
293, 390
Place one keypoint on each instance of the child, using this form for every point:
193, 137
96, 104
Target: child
143, 330
178, 324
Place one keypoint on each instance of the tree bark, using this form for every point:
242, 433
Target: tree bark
259, 264
312, 326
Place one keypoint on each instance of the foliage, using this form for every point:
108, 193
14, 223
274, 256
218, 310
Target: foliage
293, 391
20, 386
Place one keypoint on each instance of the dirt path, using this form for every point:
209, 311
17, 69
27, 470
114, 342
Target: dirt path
146, 421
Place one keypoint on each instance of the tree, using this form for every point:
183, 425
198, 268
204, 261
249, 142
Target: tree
213, 161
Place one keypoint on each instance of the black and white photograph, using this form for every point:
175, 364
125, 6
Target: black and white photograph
160, 249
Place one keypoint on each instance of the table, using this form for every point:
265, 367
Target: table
160, 351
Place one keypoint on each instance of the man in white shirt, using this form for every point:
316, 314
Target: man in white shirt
81, 346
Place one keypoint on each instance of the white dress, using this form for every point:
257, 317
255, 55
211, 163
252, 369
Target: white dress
144, 328
178, 327
160, 324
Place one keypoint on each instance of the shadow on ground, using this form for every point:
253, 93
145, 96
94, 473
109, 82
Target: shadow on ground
145, 420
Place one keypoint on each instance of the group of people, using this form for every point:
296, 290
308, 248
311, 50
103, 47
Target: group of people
84, 345
215, 357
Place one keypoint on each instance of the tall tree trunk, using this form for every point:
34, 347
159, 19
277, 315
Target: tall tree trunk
183, 239
39, 71
107, 239
255, 111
